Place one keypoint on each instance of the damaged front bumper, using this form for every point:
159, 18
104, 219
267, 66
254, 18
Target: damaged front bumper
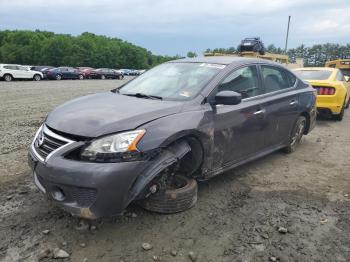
94, 190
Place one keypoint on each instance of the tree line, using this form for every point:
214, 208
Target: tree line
47, 48
315, 55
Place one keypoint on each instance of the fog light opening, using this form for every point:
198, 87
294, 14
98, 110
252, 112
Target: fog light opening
58, 194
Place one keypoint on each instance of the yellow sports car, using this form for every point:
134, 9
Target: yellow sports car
333, 89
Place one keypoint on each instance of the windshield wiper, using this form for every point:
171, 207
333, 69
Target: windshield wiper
142, 95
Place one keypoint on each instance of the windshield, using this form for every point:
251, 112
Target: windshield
173, 81
313, 74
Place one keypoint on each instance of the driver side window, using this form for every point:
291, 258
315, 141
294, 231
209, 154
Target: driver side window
243, 81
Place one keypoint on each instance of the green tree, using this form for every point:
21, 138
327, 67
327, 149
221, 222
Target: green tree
191, 54
47, 48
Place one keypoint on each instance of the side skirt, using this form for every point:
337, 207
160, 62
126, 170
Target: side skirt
231, 165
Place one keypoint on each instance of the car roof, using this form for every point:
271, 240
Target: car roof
224, 60
316, 69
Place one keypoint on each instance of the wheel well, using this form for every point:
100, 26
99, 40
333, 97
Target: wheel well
191, 163
307, 116
8, 74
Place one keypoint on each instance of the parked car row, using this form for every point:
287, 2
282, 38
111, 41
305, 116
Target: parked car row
9, 72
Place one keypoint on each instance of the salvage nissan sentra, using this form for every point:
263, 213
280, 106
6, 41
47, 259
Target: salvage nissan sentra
151, 139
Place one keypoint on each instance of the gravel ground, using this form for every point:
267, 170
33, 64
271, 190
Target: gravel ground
279, 208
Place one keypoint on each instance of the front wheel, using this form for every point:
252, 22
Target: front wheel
296, 135
36, 77
182, 195
81, 77
103, 77
8, 78
58, 77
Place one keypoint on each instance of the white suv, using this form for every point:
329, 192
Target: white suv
10, 72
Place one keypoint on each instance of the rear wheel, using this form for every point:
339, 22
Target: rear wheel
103, 77
81, 77
296, 135
348, 104
179, 196
58, 77
340, 116
8, 78
36, 77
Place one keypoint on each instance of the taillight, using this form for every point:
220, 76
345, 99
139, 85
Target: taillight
324, 90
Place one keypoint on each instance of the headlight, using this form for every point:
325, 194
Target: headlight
110, 147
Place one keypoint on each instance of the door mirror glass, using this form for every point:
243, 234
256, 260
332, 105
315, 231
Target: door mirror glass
227, 98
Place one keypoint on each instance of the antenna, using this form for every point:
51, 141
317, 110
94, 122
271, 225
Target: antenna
285, 47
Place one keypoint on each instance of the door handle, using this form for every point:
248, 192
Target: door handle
293, 102
259, 112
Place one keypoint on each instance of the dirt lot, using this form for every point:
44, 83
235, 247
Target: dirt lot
236, 218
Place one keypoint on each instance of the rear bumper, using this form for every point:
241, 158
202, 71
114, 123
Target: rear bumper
333, 103
89, 190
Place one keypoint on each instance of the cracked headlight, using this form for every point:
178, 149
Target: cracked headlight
108, 148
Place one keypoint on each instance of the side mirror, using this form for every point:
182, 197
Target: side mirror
227, 98
347, 78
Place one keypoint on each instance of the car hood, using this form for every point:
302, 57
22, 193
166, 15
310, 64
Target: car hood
106, 113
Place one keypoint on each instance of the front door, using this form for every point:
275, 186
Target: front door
239, 130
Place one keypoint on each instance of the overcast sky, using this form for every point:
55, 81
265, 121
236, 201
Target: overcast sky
177, 26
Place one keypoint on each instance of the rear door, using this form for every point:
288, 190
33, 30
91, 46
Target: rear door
239, 130
112, 74
25, 72
64, 72
281, 103
71, 72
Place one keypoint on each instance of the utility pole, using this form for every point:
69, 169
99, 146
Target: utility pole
285, 47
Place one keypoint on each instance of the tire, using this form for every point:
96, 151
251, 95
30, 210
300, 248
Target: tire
103, 77
81, 77
348, 104
256, 48
259, 49
8, 77
296, 135
58, 77
173, 200
340, 116
36, 77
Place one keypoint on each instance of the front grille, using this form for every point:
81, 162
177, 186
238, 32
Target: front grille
47, 141
84, 197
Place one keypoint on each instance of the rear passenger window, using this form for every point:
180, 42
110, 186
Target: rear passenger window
11, 67
275, 79
243, 81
